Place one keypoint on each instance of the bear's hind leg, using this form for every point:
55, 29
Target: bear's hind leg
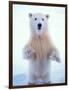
46, 79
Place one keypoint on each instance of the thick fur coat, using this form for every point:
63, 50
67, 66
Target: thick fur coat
39, 49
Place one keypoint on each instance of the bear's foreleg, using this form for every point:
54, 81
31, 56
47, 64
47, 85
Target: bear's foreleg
54, 55
29, 53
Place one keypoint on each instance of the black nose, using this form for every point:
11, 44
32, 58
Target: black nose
39, 24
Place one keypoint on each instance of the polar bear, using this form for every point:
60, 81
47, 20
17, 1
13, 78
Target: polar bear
40, 50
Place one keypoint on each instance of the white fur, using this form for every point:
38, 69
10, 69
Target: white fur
39, 69
34, 23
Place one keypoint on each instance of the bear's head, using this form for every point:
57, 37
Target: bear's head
38, 23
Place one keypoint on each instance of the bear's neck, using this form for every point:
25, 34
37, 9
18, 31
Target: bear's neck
40, 37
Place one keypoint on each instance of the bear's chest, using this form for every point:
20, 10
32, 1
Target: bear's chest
41, 47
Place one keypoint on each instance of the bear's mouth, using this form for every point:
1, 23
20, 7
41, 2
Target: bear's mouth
39, 28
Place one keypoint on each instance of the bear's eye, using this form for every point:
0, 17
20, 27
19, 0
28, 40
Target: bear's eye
42, 19
35, 18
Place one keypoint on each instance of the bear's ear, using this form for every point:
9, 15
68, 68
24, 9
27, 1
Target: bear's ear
47, 16
30, 14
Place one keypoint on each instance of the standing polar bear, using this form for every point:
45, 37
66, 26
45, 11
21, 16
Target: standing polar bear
40, 50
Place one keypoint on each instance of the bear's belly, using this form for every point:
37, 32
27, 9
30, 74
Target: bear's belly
39, 68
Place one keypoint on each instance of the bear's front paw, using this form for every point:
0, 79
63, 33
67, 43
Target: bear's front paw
29, 53
55, 56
